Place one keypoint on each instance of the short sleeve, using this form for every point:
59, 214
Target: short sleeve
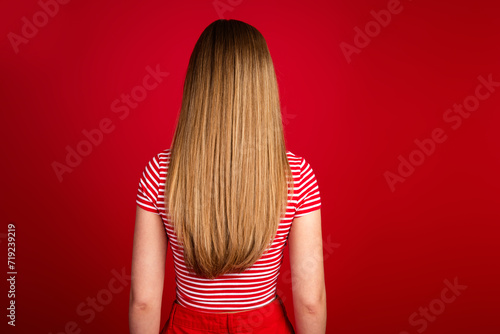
309, 199
147, 193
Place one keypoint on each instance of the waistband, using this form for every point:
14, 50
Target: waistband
258, 317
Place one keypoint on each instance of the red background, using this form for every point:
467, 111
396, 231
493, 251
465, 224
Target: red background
389, 251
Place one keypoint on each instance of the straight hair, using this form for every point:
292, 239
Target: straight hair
229, 179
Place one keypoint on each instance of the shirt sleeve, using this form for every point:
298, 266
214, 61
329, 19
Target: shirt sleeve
147, 193
309, 195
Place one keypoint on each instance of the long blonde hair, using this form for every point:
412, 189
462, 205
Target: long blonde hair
229, 180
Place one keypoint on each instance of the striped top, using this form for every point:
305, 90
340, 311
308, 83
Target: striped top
232, 292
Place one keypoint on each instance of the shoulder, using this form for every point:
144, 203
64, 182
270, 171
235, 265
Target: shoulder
156, 164
301, 167
296, 161
296, 164
161, 157
164, 156
293, 158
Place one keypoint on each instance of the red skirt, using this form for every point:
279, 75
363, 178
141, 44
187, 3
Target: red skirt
270, 318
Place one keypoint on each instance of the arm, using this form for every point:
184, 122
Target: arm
148, 273
308, 280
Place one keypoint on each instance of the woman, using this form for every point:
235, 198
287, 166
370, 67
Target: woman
233, 198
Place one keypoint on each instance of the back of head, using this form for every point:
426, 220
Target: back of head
228, 179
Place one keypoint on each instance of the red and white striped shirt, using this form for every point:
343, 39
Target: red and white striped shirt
252, 288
